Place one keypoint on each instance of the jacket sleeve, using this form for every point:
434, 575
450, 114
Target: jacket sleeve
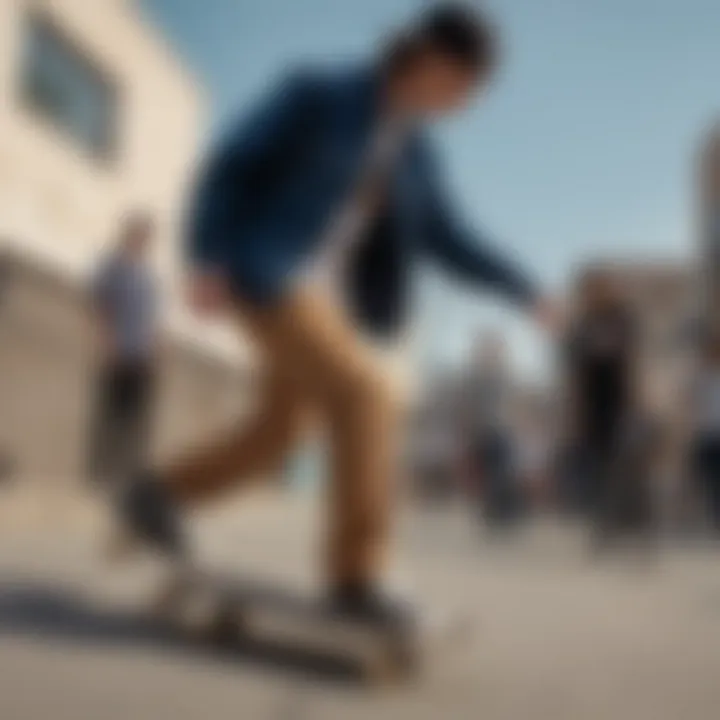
249, 159
465, 251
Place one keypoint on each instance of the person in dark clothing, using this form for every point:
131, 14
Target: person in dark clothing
125, 310
705, 419
601, 356
501, 499
630, 506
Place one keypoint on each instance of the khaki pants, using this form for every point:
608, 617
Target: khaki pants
315, 363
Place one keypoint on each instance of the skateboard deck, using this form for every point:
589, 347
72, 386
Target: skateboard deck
233, 612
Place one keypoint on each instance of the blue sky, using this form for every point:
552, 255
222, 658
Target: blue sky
583, 148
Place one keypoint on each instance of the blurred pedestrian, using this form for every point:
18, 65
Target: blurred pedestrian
533, 458
705, 420
601, 367
125, 312
628, 504
487, 433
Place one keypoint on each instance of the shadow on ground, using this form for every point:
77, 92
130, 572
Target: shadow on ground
49, 613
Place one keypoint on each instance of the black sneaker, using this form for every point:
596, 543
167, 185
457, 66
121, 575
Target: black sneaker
366, 605
150, 514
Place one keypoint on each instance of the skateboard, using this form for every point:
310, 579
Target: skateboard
232, 613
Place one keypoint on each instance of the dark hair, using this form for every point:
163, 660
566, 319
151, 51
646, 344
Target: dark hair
452, 29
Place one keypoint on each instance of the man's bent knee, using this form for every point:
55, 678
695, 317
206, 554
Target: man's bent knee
368, 386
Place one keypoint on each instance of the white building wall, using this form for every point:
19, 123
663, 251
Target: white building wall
62, 207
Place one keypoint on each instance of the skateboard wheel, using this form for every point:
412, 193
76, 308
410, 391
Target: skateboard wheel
396, 662
387, 671
227, 627
168, 604
121, 546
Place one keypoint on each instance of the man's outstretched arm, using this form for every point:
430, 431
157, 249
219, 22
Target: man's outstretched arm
464, 251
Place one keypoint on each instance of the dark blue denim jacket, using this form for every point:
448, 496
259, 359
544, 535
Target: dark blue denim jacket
267, 192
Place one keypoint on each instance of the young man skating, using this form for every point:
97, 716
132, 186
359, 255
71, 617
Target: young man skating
305, 226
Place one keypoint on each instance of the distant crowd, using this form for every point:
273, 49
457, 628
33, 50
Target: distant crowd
596, 446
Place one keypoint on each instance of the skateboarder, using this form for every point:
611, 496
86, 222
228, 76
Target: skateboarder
304, 227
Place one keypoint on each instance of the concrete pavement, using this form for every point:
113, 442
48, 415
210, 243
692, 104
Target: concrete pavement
559, 638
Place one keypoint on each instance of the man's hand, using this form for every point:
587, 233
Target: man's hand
549, 315
207, 292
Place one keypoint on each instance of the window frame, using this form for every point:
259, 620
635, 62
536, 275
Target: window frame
36, 22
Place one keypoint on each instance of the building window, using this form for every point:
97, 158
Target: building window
61, 85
